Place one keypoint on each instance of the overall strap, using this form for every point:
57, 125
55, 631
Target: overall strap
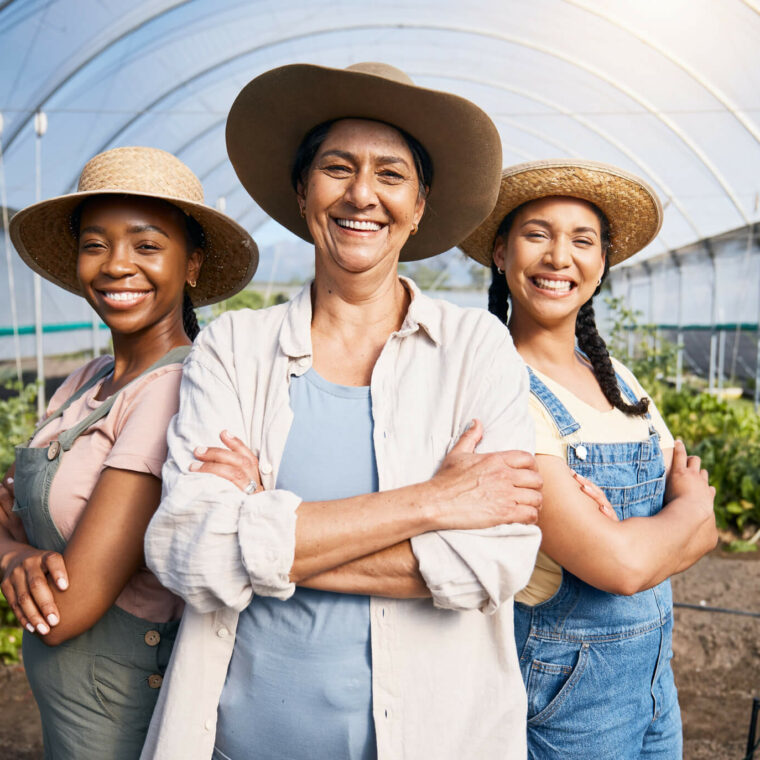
628, 392
565, 422
67, 438
97, 377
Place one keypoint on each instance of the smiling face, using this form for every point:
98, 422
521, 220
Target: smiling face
361, 198
552, 258
133, 262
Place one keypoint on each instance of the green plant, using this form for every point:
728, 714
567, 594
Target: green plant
247, 299
726, 436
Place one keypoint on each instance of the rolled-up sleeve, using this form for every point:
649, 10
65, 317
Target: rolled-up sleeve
209, 542
480, 569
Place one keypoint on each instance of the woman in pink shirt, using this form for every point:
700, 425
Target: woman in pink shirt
136, 241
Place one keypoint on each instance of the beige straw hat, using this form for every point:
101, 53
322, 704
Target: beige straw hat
631, 206
274, 112
44, 239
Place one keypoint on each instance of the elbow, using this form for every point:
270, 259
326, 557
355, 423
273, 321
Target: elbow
627, 578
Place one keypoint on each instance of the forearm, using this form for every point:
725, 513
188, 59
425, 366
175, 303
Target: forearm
330, 534
392, 572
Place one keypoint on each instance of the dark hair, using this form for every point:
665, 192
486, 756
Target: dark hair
314, 138
589, 341
194, 238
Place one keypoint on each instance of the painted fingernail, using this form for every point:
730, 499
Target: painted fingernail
195, 466
43, 629
52, 619
62, 583
30, 628
201, 450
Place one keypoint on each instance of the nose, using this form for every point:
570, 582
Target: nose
360, 191
119, 261
559, 252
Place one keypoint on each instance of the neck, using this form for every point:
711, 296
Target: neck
369, 303
548, 348
135, 352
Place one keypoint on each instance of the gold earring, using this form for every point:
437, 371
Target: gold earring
192, 283
414, 229
303, 212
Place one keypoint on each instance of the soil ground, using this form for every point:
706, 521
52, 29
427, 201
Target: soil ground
716, 663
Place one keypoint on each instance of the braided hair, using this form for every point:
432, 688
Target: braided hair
589, 341
194, 238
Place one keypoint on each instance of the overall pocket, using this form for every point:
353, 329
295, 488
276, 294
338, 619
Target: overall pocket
550, 683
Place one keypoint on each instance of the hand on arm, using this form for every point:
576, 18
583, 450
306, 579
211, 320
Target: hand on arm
628, 556
360, 545
101, 557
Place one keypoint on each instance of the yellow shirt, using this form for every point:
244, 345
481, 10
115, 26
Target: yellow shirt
612, 426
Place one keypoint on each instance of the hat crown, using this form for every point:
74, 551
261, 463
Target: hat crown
384, 70
145, 171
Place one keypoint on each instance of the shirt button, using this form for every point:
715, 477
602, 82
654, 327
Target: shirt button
265, 468
155, 681
222, 633
303, 362
152, 638
209, 724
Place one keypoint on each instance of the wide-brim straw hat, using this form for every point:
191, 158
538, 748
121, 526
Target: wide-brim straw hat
631, 206
274, 112
44, 238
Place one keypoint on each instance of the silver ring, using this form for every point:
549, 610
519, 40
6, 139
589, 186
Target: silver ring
252, 487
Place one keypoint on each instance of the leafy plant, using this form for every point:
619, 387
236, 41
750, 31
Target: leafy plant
248, 299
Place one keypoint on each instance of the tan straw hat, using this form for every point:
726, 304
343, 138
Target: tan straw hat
274, 112
631, 206
43, 236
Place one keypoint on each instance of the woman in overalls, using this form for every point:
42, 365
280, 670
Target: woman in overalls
594, 625
138, 243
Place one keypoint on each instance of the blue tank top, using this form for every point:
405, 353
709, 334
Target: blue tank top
299, 682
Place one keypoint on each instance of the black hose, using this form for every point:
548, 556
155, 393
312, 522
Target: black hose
725, 610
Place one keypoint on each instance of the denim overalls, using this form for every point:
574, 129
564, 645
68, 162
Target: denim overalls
96, 692
596, 665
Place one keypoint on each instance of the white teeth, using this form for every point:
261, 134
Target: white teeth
124, 296
558, 285
356, 224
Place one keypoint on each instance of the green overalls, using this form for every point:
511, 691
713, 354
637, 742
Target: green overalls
96, 692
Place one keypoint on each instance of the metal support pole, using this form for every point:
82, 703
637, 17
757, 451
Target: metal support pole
713, 320
679, 339
9, 261
40, 127
721, 357
629, 301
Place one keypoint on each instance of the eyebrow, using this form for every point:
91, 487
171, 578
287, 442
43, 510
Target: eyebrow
134, 229
543, 223
351, 157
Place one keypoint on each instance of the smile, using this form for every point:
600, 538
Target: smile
123, 298
556, 286
363, 225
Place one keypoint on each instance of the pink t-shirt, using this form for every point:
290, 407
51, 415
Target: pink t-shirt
132, 436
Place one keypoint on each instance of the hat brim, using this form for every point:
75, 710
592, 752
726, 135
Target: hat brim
44, 239
631, 206
274, 112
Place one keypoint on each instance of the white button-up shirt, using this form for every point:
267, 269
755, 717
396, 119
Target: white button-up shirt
445, 676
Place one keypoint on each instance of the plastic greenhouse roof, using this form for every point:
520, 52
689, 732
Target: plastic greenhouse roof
668, 89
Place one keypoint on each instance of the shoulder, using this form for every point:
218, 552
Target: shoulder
76, 380
628, 378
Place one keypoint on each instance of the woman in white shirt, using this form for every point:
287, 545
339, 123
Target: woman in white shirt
404, 536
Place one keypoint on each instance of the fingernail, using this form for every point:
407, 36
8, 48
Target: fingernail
30, 628
195, 466
43, 629
63, 584
52, 619
201, 450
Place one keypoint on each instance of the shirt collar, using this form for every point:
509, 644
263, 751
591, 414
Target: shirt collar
295, 336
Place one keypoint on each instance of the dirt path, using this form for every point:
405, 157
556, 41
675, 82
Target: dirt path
717, 667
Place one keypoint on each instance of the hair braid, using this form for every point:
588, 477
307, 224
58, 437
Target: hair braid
189, 320
498, 295
592, 344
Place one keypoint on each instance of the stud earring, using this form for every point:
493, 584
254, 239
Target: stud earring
303, 212
599, 283
414, 229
